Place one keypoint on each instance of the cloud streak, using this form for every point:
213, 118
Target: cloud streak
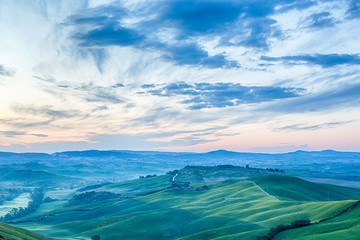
19, 133
323, 60
347, 96
219, 95
4, 71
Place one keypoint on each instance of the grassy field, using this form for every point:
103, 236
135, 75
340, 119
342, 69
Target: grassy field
155, 208
345, 226
9, 232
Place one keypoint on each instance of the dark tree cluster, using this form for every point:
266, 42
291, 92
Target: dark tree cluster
202, 188
276, 230
274, 170
90, 197
180, 184
95, 237
228, 166
148, 176
91, 187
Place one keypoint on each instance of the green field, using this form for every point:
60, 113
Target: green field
9, 232
244, 207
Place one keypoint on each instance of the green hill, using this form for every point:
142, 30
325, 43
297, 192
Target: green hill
9, 232
163, 207
346, 226
293, 188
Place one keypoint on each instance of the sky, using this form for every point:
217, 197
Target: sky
250, 75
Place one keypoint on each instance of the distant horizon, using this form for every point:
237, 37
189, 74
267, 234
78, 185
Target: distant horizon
162, 151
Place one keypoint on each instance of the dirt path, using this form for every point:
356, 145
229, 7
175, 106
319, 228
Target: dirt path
266, 192
173, 179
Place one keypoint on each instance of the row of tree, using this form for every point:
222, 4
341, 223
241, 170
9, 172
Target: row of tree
148, 176
276, 230
36, 199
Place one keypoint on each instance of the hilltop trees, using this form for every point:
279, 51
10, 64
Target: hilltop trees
90, 197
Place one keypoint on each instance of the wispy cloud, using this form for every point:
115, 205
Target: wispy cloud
6, 71
302, 126
91, 92
20, 133
45, 110
219, 95
324, 60
342, 97
321, 20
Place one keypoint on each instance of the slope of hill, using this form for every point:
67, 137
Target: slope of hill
32, 176
167, 207
346, 226
293, 188
8, 232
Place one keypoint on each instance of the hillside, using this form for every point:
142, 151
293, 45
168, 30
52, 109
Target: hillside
173, 206
345, 226
34, 177
293, 188
9, 232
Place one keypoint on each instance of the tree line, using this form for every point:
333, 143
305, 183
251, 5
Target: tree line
36, 199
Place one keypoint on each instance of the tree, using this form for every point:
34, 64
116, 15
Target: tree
95, 237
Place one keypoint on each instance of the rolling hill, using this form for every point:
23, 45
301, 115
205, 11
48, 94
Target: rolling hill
8, 232
185, 204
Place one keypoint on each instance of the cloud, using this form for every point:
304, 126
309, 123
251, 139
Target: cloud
89, 91
244, 23
192, 54
341, 97
241, 23
100, 94
118, 85
199, 17
354, 9
45, 110
321, 20
6, 71
299, 127
324, 60
219, 95
20, 133
148, 85
109, 35
298, 5
24, 123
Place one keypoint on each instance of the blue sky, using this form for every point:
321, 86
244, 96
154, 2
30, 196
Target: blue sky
252, 75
